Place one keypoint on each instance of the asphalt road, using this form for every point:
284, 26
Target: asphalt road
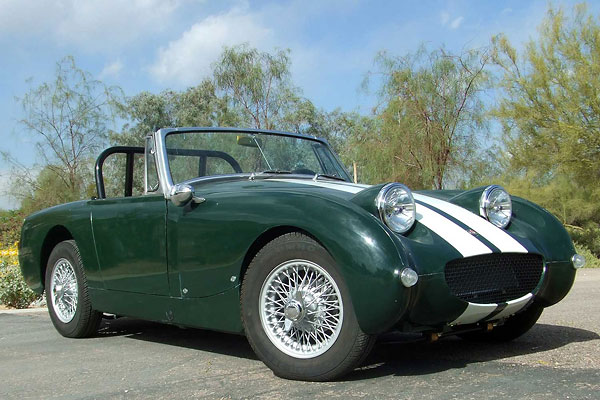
558, 359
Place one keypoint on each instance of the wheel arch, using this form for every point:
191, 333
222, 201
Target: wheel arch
267, 236
55, 235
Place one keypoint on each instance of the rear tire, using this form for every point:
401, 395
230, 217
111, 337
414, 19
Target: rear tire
297, 312
513, 327
67, 295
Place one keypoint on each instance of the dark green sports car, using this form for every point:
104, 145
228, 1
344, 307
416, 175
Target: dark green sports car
262, 233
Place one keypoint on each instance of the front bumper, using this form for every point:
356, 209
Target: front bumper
433, 306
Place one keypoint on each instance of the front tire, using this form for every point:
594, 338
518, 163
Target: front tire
297, 312
67, 295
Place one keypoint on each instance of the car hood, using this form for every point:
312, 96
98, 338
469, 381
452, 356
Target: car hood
449, 219
457, 225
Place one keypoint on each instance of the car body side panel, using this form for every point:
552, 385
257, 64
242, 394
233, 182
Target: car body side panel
130, 241
219, 312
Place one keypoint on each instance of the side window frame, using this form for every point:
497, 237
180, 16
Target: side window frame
150, 153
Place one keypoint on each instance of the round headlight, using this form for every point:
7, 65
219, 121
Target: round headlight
495, 205
396, 207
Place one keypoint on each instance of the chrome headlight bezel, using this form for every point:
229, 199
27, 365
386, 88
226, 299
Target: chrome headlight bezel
499, 217
385, 200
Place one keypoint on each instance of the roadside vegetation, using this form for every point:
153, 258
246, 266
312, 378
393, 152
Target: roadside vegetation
431, 128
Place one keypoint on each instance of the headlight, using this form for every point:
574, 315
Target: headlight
495, 205
396, 207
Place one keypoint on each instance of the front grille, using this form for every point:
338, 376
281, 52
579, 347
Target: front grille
494, 278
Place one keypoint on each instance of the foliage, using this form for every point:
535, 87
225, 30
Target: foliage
588, 236
14, 292
549, 108
430, 117
68, 120
196, 106
258, 83
10, 226
591, 259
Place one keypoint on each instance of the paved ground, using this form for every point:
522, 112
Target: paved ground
558, 359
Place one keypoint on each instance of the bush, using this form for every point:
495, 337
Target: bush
588, 237
591, 261
14, 292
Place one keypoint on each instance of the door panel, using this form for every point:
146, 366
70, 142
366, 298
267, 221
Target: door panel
207, 244
130, 240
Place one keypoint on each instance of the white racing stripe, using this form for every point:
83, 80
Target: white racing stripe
344, 187
513, 306
465, 243
496, 236
474, 313
457, 237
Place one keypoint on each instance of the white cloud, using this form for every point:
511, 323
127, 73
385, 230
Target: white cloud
456, 22
112, 70
187, 60
447, 20
95, 24
444, 18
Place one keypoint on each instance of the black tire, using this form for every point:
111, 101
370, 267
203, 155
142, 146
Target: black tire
85, 321
512, 328
349, 348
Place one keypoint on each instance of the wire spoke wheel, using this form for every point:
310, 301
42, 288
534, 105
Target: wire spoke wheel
301, 309
64, 290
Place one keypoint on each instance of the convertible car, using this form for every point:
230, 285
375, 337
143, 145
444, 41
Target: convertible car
263, 233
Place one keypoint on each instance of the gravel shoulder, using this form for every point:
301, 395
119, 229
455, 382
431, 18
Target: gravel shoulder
558, 358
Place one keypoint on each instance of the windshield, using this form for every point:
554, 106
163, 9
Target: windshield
197, 154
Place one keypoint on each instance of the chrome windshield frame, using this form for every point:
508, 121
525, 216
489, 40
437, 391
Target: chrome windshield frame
162, 161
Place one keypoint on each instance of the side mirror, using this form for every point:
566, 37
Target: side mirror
181, 194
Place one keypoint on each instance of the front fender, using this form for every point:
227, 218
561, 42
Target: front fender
41, 231
217, 235
369, 258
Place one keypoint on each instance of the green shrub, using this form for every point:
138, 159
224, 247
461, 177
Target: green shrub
14, 292
591, 261
588, 236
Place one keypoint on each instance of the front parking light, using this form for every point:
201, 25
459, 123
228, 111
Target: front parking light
409, 277
578, 261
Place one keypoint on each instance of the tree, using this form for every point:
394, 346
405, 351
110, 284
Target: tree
549, 108
429, 119
550, 104
258, 83
197, 106
68, 118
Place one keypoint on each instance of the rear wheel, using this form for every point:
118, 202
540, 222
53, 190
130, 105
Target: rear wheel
67, 296
297, 312
512, 328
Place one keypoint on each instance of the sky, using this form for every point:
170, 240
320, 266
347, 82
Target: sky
153, 45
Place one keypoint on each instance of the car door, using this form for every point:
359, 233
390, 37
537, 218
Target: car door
129, 234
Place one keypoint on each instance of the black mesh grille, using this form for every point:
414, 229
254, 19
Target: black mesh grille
494, 278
